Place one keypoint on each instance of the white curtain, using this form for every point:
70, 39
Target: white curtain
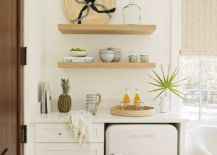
199, 27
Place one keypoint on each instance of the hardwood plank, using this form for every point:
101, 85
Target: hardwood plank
107, 65
9, 76
14, 79
107, 29
3, 73
20, 77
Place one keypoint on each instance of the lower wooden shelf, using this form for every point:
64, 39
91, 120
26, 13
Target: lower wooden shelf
107, 65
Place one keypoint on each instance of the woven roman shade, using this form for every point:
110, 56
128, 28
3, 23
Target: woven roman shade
199, 27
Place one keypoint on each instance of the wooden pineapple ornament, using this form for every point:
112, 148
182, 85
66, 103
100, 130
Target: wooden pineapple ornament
65, 101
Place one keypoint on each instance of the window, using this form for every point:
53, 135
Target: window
201, 89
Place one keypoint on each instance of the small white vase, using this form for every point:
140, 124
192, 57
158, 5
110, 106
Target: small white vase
163, 104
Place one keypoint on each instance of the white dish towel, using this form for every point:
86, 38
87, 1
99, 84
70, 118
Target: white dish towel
80, 123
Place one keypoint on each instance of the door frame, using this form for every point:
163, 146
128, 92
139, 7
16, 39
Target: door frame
20, 78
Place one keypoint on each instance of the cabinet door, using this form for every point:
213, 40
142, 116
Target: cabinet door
68, 149
61, 133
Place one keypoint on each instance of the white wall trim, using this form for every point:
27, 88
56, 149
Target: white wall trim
26, 114
175, 47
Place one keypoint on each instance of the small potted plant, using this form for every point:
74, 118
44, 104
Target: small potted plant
164, 85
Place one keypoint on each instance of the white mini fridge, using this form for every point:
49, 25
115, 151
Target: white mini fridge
144, 139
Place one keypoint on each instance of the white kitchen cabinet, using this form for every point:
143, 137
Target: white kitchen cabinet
49, 141
57, 139
68, 149
61, 132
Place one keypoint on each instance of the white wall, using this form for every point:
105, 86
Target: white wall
111, 83
47, 46
34, 71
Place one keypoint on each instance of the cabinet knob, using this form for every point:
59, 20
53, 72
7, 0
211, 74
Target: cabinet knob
60, 133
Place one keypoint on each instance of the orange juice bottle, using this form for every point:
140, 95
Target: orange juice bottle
137, 98
126, 96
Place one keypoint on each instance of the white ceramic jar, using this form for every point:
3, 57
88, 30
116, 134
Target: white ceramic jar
133, 58
144, 57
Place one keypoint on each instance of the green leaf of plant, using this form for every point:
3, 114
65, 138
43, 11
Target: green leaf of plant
172, 75
168, 74
167, 85
155, 84
176, 94
163, 74
158, 95
175, 85
156, 90
167, 82
180, 81
158, 77
176, 73
156, 80
177, 91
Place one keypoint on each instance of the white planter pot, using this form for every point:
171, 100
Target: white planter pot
163, 104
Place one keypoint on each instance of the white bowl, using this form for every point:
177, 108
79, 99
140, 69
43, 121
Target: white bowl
107, 57
78, 53
105, 51
116, 50
117, 58
117, 54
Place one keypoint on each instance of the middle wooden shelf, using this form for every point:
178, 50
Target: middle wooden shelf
107, 65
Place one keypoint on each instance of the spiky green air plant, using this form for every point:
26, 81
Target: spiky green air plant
167, 83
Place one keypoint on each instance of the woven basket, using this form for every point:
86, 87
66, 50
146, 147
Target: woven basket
73, 9
148, 111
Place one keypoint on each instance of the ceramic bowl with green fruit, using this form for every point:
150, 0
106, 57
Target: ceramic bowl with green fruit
77, 52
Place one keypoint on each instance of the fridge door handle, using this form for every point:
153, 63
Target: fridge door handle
116, 154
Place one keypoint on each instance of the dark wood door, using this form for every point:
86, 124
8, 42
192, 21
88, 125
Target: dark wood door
11, 76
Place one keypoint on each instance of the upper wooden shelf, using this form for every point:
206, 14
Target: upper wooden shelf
107, 29
106, 65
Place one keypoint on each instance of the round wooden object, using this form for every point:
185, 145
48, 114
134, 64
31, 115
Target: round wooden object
148, 111
89, 11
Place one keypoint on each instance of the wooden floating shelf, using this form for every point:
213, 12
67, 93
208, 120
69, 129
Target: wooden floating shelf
107, 65
107, 29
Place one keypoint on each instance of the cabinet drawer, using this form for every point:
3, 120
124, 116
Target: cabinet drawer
68, 149
61, 132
